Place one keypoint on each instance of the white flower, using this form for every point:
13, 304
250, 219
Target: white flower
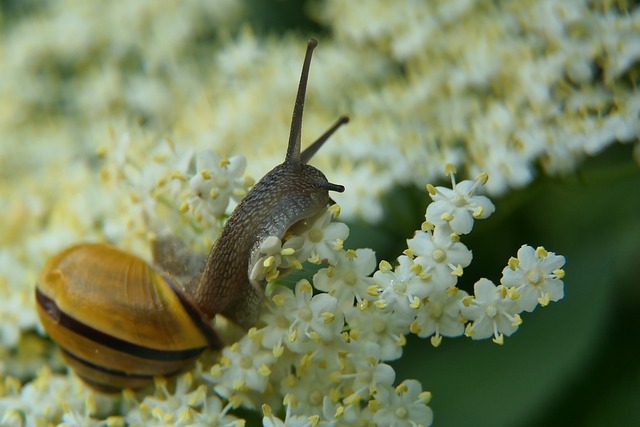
339, 415
244, 366
212, 413
404, 406
309, 385
275, 314
536, 275
365, 371
492, 312
402, 290
166, 407
322, 238
440, 316
349, 276
382, 327
290, 420
315, 317
458, 206
441, 255
215, 182
48, 397
184, 407
276, 257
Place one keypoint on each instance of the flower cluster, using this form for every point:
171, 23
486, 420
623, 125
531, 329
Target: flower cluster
504, 89
168, 189
323, 354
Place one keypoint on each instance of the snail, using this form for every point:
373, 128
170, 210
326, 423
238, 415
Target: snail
119, 321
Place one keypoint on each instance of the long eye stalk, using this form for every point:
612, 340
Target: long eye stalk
293, 150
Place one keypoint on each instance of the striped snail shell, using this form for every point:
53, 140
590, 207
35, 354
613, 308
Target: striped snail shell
119, 321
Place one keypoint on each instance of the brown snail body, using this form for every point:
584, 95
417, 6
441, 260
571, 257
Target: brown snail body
119, 321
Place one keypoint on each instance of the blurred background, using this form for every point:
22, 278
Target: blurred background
571, 363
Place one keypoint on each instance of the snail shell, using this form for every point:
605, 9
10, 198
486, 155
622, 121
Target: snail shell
118, 322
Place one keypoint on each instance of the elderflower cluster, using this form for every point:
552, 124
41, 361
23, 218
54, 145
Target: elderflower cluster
324, 352
508, 88
169, 189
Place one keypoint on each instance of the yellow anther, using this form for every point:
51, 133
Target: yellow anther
178, 175
457, 271
266, 410
502, 291
446, 217
517, 320
277, 350
264, 370
278, 299
269, 261
287, 251
381, 304
450, 169
541, 252
482, 177
335, 210
384, 266
327, 316
415, 303
415, 328
304, 286
544, 300
314, 259
402, 388
427, 226
425, 397
329, 271
352, 399
424, 276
